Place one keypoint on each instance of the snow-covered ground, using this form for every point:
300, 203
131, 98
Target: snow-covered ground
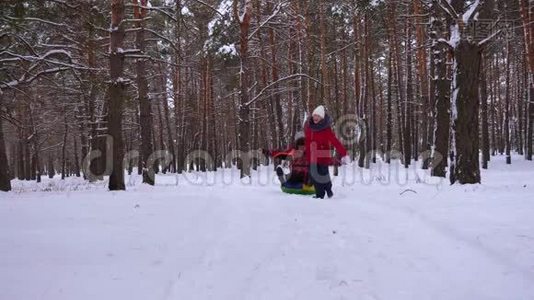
380, 237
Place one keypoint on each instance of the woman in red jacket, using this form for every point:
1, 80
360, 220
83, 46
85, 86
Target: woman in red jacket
319, 141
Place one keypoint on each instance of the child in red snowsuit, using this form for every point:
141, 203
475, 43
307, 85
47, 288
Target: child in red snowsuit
299, 164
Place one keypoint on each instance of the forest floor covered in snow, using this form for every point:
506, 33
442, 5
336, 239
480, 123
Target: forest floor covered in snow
386, 234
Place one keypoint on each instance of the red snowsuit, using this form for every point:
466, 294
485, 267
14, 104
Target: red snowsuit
299, 164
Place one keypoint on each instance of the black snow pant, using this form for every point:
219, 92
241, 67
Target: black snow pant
320, 177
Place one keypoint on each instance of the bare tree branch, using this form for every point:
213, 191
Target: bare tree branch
293, 76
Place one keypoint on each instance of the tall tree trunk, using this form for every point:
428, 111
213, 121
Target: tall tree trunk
145, 109
50, 169
374, 128
36, 164
381, 116
95, 169
64, 145
423, 79
507, 137
177, 90
467, 59
161, 135
5, 178
357, 62
493, 108
527, 15
484, 115
389, 118
325, 88
76, 158
26, 142
499, 105
116, 93
166, 111
203, 110
369, 94
277, 104
530, 139
363, 104
442, 104
357, 80
269, 106
166, 120
397, 63
408, 107
522, 83
20, 155
212, 119
466, 112
82, 129
244, 108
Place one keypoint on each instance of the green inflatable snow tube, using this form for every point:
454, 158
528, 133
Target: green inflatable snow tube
302, 189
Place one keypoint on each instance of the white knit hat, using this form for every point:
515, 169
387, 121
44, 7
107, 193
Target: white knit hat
319, 111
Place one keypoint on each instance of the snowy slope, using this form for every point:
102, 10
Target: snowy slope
402, 239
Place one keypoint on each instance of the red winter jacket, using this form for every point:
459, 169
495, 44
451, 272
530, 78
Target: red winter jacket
299, 164
319, 142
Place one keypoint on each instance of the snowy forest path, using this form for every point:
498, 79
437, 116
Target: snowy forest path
254, 242
460, 238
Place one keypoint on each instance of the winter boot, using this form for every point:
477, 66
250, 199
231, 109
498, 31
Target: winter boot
329, 193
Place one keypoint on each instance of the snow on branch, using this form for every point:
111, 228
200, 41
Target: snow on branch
475, 6
65, 3
456, 36
60, 46
210, 7
46, 59
59, 59
25, 42
275, 12
163, 38
489, 38
24, 80
448, 9
37, 20
247, 11
33, 58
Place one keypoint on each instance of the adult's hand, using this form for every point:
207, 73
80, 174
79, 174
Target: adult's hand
346, 160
